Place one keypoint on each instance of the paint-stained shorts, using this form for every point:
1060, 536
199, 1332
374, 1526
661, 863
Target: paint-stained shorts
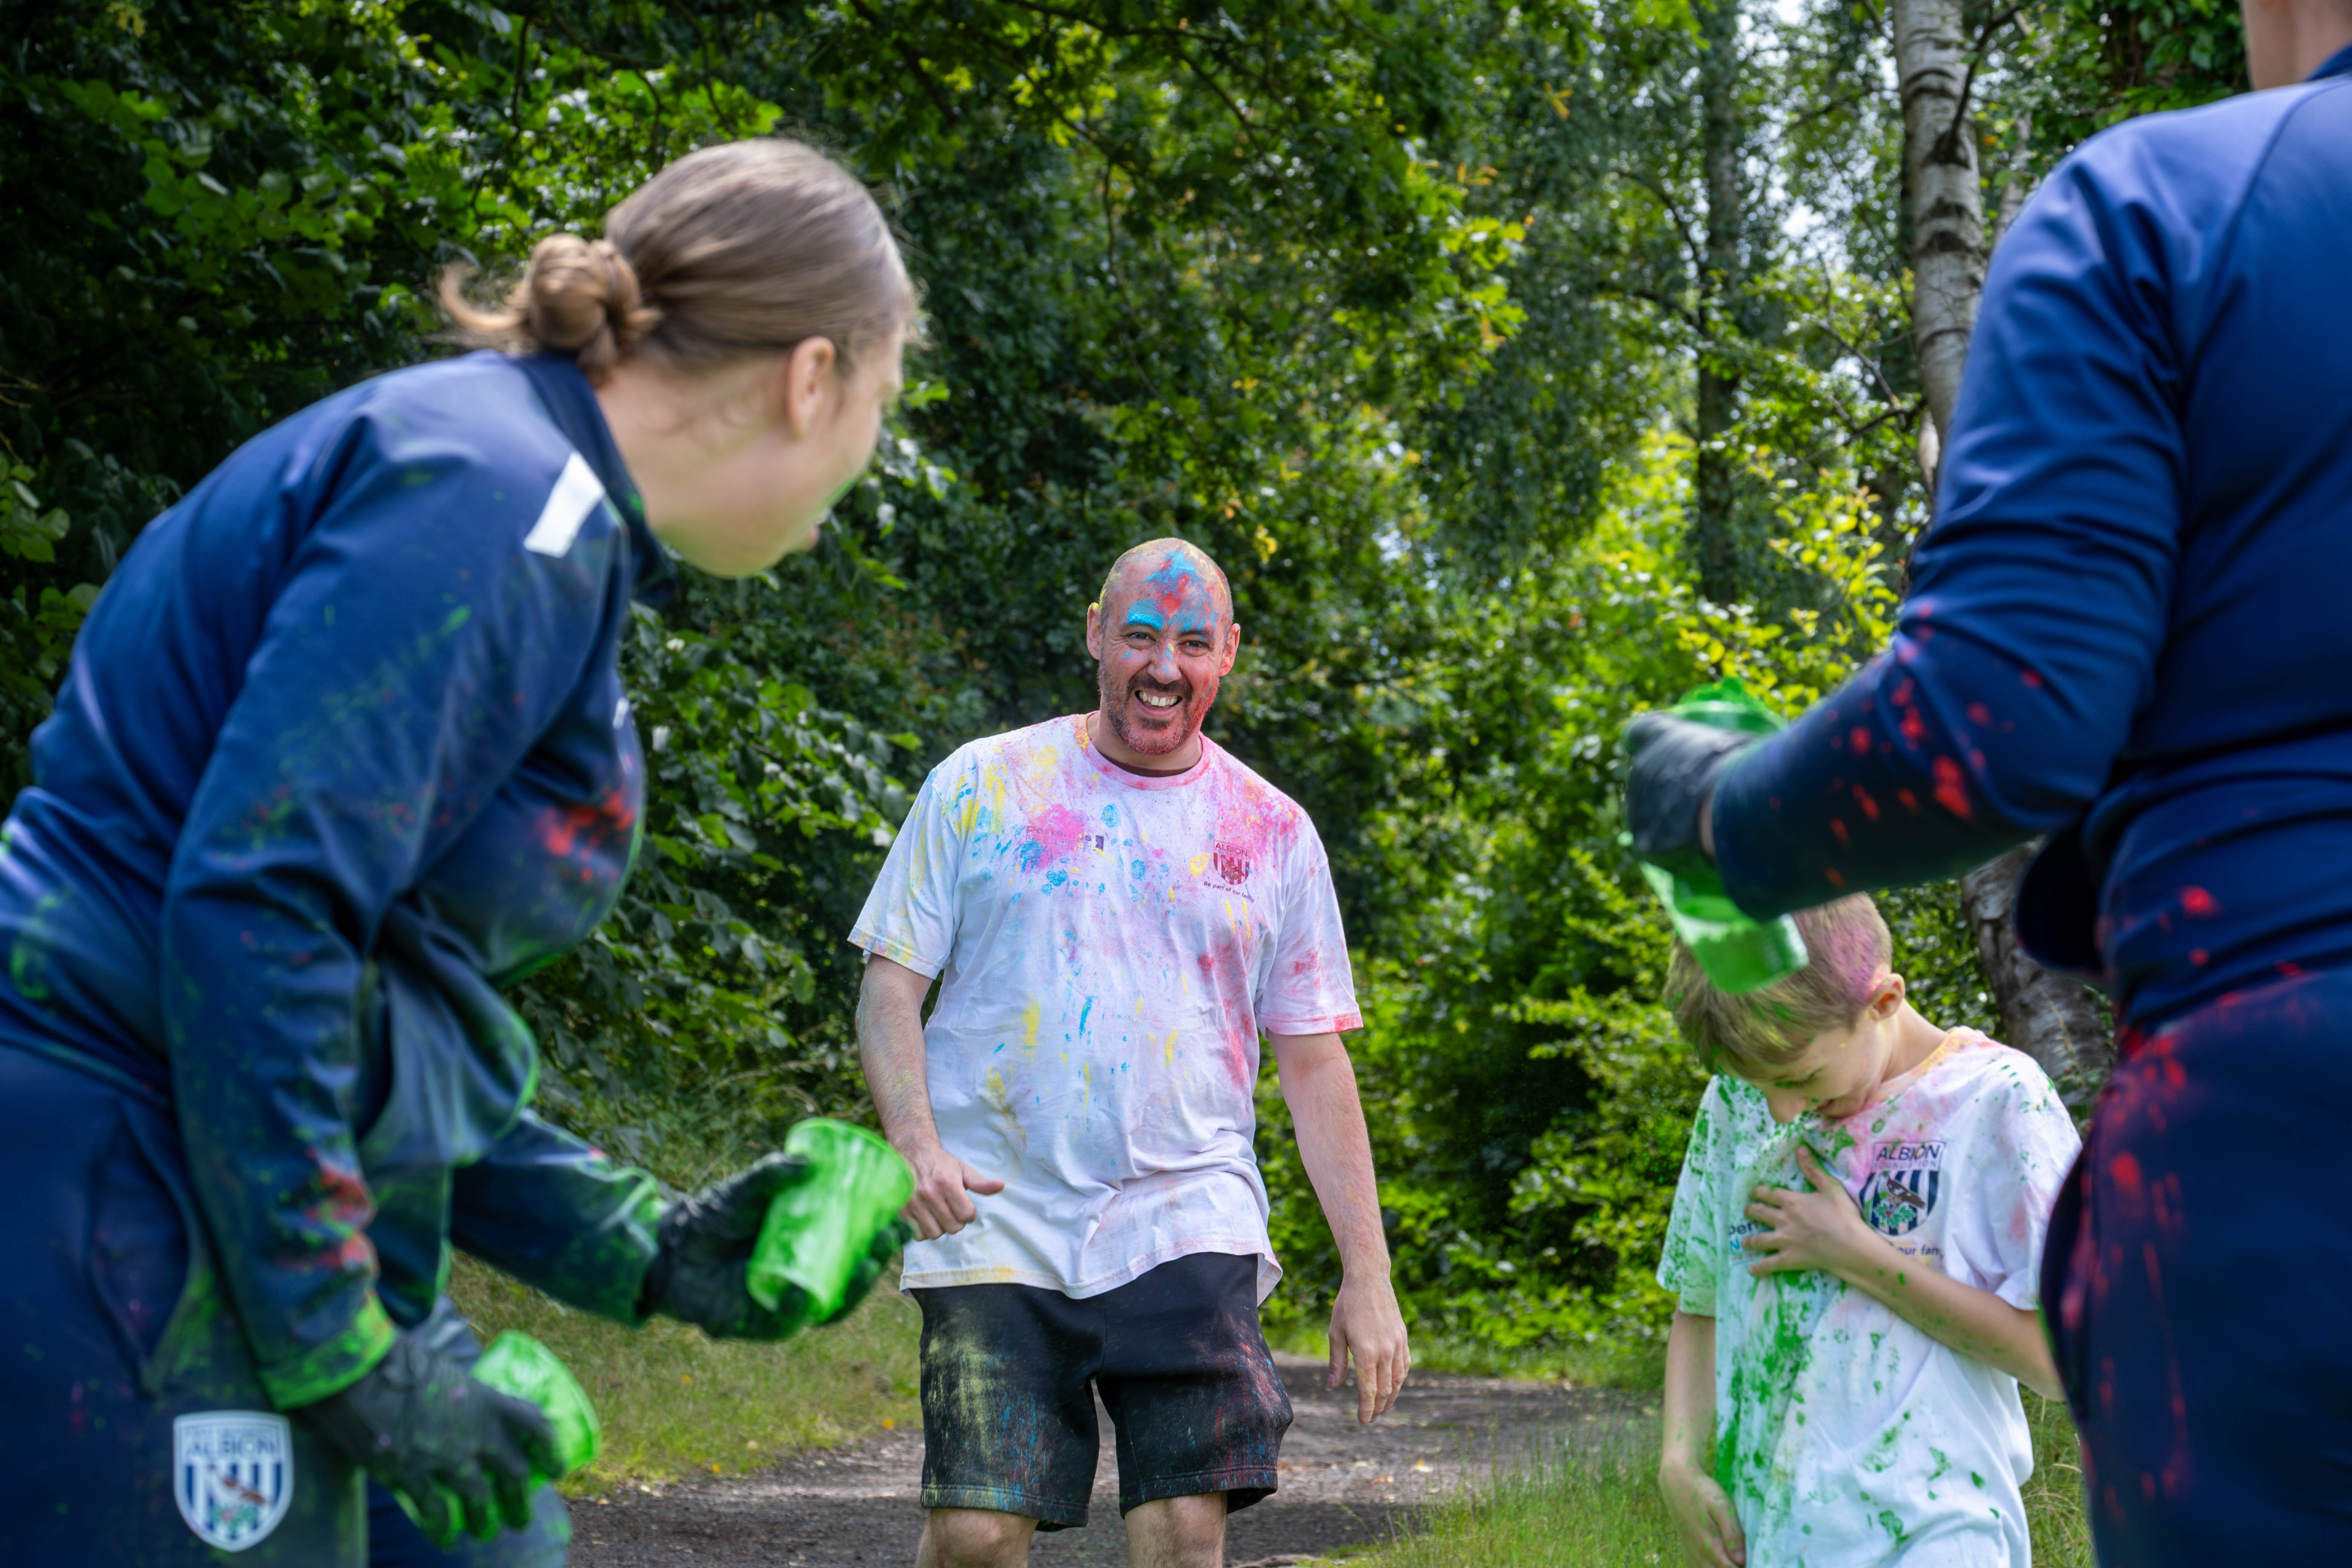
1010, 1374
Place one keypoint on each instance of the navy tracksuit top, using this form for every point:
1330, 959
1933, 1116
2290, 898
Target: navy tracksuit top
342, 750
2131, 625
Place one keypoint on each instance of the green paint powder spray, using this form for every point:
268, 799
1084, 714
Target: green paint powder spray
1739, 955
818, 1230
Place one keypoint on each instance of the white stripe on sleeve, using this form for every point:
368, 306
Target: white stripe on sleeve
577, 493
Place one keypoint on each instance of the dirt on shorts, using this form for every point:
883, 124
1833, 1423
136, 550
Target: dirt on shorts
1343, 1484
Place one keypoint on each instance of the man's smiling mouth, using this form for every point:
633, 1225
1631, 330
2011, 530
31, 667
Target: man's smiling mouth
1158, 699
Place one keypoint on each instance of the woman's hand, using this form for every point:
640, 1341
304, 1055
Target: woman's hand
1703, 1520
1821, 1229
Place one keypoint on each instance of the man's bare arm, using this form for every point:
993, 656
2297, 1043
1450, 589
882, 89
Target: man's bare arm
1318, 1083
890, 1048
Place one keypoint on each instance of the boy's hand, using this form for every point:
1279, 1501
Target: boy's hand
1703, 1518
1821, 1229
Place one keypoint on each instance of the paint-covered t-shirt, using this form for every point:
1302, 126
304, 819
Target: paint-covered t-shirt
1845, 1436
1110, 946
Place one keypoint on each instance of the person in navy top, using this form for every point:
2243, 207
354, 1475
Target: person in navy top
342, 752
2127, 631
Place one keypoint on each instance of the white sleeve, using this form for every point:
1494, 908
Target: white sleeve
2023, 1145
1308, 987
1688, 1263
909, 917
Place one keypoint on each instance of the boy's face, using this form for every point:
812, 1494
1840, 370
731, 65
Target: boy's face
1837, 1071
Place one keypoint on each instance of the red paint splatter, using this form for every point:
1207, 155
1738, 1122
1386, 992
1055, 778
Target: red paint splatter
1979, 713
1869, 807
1951, 789
2198, 955
1860, 738
2125, 1171
2031, 679
1910, 802
1837, 828
1914, 728
2198, 901
1836, 880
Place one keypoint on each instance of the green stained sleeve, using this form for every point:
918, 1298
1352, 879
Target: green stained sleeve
1688, 1263
559, 1214
333, 1366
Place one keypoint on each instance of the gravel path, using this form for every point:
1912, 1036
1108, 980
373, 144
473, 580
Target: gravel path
1341, 1484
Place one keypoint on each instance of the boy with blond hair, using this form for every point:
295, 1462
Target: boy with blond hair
1855, 1245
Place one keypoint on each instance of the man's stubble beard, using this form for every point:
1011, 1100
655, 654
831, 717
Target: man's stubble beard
1119, 703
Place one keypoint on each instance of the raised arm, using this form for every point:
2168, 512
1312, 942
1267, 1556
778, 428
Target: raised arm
2041, 594
1318, 1084
890, 1048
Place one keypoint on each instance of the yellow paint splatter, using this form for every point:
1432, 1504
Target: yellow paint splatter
1200, 863
1171, 1048
1029, 1017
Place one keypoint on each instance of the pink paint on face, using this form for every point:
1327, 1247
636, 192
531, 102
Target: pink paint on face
1168, 634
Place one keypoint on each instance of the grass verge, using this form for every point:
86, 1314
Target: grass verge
674, 1401
1586, 1366
1584, 1507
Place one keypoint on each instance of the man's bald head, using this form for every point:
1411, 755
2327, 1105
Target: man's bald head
1163, 635
1164, 566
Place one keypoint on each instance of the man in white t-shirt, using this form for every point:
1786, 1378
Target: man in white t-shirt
1856, 1247
1115, 911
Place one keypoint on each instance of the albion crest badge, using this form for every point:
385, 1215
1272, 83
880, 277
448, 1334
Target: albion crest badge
1903, 1185
232, 1475
1232, 863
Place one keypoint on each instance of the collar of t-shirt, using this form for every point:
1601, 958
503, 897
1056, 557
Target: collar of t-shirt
1116, 774
2338, 64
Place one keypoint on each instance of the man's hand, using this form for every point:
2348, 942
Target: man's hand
890, 1044
940, 1206
459, 1452
1821, 1229
1704, 1519
1365, 1322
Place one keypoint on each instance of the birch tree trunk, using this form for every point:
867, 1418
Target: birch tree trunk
2054, 1019
1714, 536
1939, 159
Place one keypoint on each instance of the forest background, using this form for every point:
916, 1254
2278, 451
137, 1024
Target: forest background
1525, 365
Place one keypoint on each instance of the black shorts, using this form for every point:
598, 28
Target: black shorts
1009, 1415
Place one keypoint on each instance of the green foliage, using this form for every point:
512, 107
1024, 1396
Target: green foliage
1394, 306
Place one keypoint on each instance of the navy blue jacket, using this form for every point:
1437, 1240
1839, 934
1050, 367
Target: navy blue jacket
343, 750
2129, 625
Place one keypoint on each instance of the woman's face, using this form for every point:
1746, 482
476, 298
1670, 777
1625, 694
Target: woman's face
739, 484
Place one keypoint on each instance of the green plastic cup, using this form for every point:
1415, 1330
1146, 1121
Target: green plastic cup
1738, 953
517, 1364
818, 1230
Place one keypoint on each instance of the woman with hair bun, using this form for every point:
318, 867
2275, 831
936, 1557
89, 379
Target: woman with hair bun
343, 751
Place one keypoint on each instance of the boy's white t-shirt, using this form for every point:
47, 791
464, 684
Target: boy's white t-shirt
1844, 1436
1112, 944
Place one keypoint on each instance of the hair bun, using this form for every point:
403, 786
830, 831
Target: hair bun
580, 298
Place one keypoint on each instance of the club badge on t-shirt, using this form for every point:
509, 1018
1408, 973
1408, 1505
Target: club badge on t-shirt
1900, 1192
